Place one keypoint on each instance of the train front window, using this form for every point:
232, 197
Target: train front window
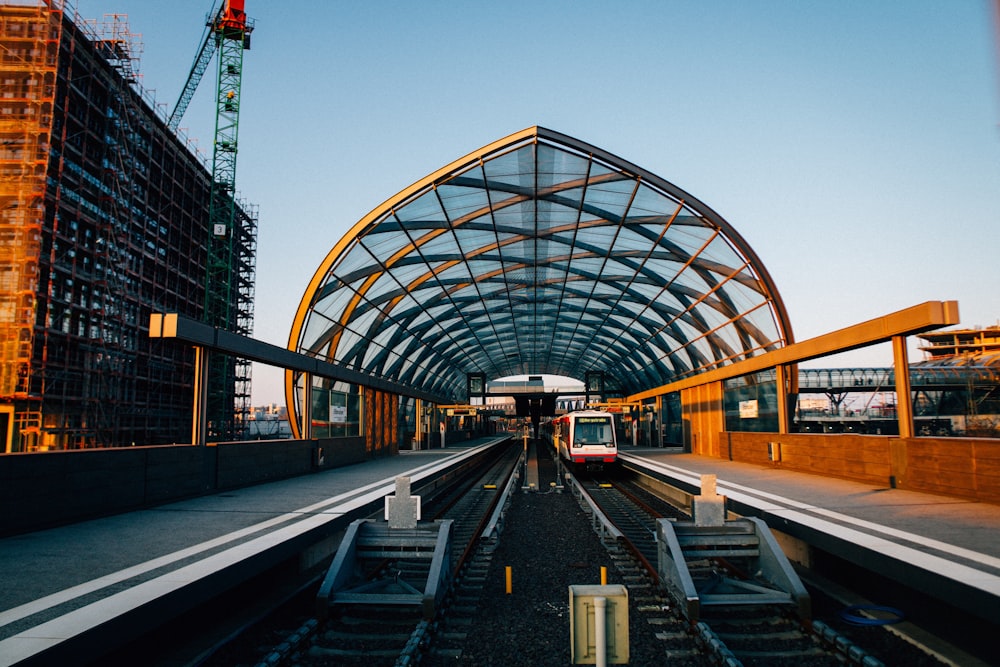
593, 431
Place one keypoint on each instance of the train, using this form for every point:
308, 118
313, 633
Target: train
584, 438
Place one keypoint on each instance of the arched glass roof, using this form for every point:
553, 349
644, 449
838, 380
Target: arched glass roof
539, 254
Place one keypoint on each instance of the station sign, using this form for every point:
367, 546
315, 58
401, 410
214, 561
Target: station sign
748, 409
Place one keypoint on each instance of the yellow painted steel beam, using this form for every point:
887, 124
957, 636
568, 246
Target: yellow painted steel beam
904, 400
926, 316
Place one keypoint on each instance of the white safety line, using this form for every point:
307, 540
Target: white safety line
303, 514
951, 549
41, 637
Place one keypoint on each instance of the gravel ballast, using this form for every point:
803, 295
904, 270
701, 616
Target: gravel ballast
549, 544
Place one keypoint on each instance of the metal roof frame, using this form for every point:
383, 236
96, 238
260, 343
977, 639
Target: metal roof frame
539, 254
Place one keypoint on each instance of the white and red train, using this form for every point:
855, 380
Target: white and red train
584, 437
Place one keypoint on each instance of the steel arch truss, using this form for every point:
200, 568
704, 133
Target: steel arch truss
540, 254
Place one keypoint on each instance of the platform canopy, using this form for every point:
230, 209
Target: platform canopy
539, 254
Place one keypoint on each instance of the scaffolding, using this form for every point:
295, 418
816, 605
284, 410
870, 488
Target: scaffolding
105, 219
29, 47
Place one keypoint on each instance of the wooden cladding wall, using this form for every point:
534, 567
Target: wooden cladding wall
381, 422
862, 458
962, 467
965, 467
703, 418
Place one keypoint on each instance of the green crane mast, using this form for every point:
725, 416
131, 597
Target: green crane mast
228, 33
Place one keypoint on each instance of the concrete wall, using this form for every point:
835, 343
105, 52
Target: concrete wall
45, 489
962, 467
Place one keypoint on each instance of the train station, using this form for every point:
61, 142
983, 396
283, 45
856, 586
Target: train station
538, 332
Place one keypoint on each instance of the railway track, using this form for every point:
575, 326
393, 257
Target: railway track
728, 635
477, 622
634, 512
377, 634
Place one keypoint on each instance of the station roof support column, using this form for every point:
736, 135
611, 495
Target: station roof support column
781, 380
199, 418
904, 399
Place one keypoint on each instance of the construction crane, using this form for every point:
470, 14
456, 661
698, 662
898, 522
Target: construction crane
227, 32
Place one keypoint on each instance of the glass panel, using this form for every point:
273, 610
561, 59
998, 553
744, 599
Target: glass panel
520, 216
481, 268
649, 202
357, 258
384, 284
387, 226
555, 214
558, 166
406, 272
472, 241
744, 298
587, 265
347, 341
671, 420
363, 320
611, 197
314, 324
631, 240
385, 245
320, 410
750, 403
461, 201
425, 207
721, 252
440, 246
515, 169
406, 306
454, 274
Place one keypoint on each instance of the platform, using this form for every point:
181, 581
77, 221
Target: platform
946, 547
67, 586
64, 586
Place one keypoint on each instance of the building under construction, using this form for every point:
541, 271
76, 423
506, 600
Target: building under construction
105, 219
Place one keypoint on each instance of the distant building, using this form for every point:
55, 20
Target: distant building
813, 404
962, 347
269, 412
271, 428
104, 218
972, 357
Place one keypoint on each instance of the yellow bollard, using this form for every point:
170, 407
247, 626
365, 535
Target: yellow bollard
604, 576
507, 572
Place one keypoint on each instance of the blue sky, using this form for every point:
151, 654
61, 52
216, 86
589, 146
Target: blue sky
855, 145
